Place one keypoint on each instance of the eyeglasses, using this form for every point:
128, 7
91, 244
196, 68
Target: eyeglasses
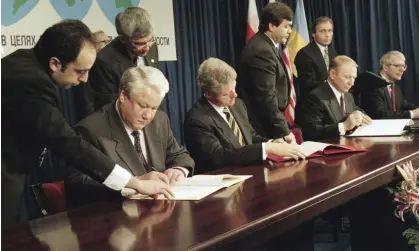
106, 41
399, 66
141, 44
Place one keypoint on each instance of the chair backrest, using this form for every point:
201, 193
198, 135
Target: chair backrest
50, 197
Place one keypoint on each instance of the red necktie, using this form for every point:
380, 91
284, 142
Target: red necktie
342, 105
393, 97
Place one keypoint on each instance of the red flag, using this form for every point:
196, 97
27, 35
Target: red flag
252, 20
290, 110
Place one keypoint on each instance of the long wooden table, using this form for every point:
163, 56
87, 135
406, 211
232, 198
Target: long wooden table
277, 198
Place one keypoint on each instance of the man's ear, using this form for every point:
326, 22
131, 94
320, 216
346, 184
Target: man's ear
54, 64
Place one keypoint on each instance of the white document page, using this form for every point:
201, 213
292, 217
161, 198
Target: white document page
199, 186
381, 127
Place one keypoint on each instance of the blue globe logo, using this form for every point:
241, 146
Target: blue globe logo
112, 7
71, 9
13, 11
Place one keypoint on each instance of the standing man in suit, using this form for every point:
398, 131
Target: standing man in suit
330, 110
100, 39
263, 82
312, 61
134, 134
32, 121
134, 46
217, 129
388, 102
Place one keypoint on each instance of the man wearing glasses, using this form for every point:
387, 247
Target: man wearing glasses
134, 46
388, 102
100, 39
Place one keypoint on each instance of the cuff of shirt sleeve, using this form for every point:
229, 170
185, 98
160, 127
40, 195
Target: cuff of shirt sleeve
264, 154
341, 129
184, 170
118, 178
411, 114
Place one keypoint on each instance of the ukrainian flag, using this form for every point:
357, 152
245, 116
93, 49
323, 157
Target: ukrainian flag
299, 36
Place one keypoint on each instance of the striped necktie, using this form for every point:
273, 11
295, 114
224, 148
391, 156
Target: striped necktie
233, 125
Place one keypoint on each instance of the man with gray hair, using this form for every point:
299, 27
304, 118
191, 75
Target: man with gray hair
100, 39
388, 102
134, 46
134, 134
217, 128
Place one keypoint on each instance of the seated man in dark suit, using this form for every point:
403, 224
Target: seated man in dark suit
134, 134
380, 104
330, 110
312, 61
217, 128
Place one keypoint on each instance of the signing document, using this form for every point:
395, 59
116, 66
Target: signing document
199, 186
382, 127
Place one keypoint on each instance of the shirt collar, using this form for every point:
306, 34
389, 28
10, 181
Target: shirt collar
321, 47
275, 44
337, 93
219, 109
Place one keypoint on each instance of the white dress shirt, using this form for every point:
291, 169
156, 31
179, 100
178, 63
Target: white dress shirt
140, 61
219, 110
338, 95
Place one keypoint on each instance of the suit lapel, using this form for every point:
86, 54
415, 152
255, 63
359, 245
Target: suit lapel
153, 145
388, 98
318, 58
220, 123
333, 104
123, 144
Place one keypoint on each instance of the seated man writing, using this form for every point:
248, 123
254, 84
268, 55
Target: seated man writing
217, 129
134, 134
330, 110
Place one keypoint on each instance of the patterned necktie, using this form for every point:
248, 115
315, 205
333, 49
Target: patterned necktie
137, 145
326, 57
234, 126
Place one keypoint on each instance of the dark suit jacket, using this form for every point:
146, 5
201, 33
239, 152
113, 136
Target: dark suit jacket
213, 144
321, 113
105, 130
110, 64
378, 104
311, 68
264, 86
32, 120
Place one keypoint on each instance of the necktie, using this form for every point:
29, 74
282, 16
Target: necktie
326, 58
342, 105
42, 156
393, 97
137, 146
234, 126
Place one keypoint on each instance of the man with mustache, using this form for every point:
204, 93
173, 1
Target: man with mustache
263, 81
388, 102
330, 110
312, 61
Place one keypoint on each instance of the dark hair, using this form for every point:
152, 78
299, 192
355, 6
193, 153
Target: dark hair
318, 21
274, 13
63, 40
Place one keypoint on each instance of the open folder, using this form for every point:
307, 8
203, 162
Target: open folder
199, 186
382, 127
316, 149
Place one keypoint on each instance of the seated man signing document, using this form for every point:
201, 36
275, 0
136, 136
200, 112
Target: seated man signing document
217, 129
330, 110
134, 134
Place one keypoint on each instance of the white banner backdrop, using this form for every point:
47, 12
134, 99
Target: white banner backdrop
23, 21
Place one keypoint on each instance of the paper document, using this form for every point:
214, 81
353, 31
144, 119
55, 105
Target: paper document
382, 127
199, 186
